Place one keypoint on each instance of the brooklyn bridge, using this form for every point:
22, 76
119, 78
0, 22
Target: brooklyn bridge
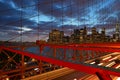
59, 40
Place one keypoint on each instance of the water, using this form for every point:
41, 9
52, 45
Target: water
34, 50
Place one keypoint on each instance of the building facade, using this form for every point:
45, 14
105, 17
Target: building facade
56, 36
116, 35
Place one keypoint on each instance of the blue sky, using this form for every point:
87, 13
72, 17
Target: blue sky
55, 14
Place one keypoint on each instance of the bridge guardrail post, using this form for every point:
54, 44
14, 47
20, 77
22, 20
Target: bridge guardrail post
102, 75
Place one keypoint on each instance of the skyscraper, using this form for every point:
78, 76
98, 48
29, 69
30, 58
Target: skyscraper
56, 36
116, 36
117, 29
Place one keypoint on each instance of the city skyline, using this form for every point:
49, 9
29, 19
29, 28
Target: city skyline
54, 14
81, 36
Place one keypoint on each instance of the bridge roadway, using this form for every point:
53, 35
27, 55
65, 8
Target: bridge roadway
107, 58
51, 75
70, 74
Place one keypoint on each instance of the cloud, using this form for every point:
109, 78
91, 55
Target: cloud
55, 14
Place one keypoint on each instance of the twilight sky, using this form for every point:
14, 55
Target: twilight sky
43, 15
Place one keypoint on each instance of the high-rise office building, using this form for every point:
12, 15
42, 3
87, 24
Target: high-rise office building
56, 36
116, 36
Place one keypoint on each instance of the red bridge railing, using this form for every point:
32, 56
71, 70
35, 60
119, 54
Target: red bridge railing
74, 56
